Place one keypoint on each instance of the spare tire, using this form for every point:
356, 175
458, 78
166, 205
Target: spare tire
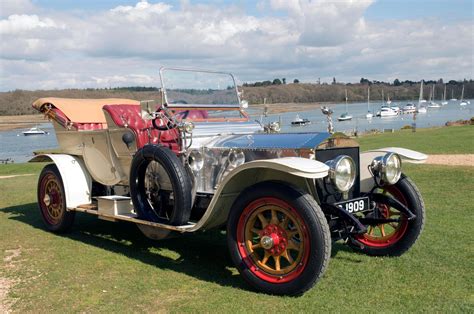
160, 187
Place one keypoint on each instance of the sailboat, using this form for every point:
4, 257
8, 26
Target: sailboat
421, 108
444, 102
463, 102
345, 116
432, 103
452, 95
369, 114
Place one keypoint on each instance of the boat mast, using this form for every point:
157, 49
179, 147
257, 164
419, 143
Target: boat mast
462, 93
444, 94
368, 99
421, 92
346, 102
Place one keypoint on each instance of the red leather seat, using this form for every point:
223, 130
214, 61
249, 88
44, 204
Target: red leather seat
128, 116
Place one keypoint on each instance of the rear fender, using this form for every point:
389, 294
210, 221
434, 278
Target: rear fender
76, 180
299, 172
407, 155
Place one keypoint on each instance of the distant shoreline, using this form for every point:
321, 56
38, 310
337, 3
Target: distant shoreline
14, 122
8, 123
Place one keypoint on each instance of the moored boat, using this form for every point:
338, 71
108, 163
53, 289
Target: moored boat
345, 116
300, 121
34, 131
386, 112
409, 108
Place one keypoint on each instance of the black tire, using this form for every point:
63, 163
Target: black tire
406, 233
52, 201
176, 213
305, 221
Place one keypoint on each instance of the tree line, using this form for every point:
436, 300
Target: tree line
19, 102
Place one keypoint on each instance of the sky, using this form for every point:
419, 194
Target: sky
55, 44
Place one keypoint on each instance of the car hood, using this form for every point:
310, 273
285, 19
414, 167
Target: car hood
263, 141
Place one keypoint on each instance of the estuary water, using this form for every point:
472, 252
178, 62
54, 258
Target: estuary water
20, 148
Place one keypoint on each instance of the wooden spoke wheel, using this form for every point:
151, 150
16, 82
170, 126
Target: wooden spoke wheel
52, 200
394, 238
383, 235
278, 238
273, 239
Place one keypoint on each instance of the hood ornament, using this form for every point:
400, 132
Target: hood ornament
328, 113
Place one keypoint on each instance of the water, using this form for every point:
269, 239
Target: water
434, 117
20, 148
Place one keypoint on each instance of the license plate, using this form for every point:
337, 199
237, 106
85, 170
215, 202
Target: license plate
356, 205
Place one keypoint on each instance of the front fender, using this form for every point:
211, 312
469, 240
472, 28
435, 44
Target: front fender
76, 180
292, 170
407, 155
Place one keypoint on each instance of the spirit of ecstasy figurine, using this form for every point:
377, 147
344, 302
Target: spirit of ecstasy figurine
328, 112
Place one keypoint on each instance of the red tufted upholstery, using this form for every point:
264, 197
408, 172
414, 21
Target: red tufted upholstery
128, 116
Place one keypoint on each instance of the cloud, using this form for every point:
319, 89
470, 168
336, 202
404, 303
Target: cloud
325, 22
10, 7
304, 39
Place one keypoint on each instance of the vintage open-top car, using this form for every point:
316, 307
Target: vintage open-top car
193, 160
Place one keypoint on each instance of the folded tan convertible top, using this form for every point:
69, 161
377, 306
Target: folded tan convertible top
82, 110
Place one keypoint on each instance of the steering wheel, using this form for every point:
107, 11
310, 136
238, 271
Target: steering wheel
168, 126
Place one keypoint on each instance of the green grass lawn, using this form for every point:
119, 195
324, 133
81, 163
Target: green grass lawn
110, 267
443, 140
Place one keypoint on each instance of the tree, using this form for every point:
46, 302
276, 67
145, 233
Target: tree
296, 81
364, 81
397, 82
283, 80
276, 82
334, 80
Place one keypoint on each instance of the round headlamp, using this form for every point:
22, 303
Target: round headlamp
196, 160
387, 169
342, 172
236, 158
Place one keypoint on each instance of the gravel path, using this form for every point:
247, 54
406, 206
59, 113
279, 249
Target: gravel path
452, 160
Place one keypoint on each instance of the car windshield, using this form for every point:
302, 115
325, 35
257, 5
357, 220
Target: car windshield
188, 89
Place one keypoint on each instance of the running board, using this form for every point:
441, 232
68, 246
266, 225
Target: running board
111, 212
